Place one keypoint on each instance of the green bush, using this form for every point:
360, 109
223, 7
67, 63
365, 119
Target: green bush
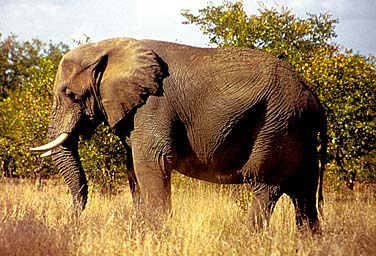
346, 83
24, 121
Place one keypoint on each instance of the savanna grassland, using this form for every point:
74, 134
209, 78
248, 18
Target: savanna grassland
207, 219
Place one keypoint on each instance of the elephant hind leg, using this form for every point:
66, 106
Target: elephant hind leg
306, 212
264, 199
303, 195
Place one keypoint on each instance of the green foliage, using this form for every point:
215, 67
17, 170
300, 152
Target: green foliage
27, 72
104, 159
24, 121
18, 60
277, 31
345, 83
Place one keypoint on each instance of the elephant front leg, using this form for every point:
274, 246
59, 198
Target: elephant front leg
155, 191
154, 181
134, 188
133, 184
153, 159
264, 198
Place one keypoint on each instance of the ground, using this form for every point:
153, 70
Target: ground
208, 219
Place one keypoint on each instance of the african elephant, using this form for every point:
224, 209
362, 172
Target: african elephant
228, 116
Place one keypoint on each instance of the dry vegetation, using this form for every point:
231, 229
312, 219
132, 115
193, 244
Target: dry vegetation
208, 220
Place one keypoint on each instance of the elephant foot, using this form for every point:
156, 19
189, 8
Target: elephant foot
308, 224
145, 218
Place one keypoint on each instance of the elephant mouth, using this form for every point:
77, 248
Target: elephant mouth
46, 149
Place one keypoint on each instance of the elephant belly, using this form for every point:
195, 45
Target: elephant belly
206, 161
208, 171
218, 151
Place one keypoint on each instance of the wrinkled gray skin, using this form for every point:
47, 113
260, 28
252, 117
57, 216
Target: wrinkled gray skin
219, 115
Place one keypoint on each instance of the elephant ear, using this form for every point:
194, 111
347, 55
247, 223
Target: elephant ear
125, 74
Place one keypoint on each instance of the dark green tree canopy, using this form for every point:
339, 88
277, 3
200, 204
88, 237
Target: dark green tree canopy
278, 31
19, 59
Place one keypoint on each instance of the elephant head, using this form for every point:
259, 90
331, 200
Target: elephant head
105, 81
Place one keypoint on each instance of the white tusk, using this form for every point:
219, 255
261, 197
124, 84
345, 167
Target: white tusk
45, 154
53, 144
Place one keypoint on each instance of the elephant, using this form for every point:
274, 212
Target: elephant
222, 115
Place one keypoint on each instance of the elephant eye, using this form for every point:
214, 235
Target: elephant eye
71, 95
68, 92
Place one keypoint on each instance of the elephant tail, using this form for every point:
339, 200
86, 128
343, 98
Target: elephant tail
323, 158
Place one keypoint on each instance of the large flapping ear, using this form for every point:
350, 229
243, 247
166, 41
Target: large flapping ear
125, 74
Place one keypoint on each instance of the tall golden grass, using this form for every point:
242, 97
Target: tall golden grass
207, 219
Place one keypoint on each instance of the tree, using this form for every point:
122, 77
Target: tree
27, 71
345, 83
277, 31
17, 60
24, 121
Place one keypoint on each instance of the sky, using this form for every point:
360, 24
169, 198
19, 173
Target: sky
66, 20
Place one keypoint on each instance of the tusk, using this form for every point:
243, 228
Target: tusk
53, 144
45, 154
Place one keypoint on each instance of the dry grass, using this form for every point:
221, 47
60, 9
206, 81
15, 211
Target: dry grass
207, 220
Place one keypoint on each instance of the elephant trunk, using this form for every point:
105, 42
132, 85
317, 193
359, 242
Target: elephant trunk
68, 162
63, 147
69, 165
